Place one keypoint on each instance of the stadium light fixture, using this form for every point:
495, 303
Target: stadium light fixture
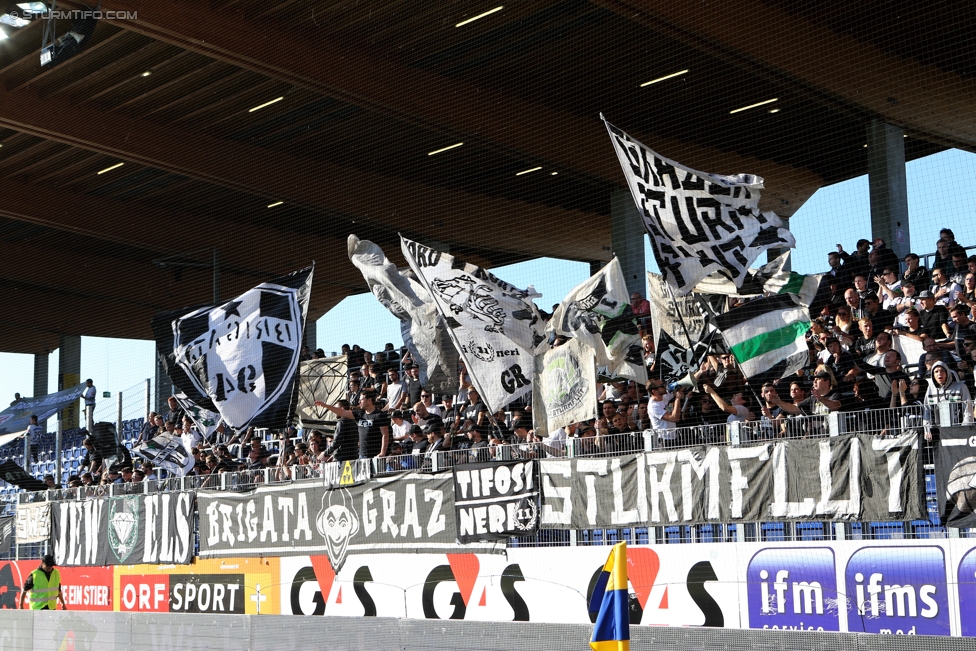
276, 203
474, 18
746, 108
109, 169
3, 35
534, 169
774, 110
147, 73
258, 108
443, 149
664, 78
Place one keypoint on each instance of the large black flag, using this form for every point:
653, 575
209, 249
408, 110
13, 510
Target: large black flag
955, 476
11, 473
240, 358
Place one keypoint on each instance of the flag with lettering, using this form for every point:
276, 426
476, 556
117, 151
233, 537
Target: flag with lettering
698, 223
421, 326
495, 326
167, 451
240, 358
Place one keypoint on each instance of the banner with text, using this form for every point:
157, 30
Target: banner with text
408, 513
124, 530
855, 477
493, 501
33, 522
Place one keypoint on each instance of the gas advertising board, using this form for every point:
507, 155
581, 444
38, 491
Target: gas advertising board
882, 587
229, 586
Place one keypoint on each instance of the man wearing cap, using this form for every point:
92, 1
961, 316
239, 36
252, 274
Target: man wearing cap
933, 319
44, 584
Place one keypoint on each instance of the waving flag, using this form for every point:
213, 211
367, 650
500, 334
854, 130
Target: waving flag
495, 327
166, 451
240, 359
790, 282
597, 312
698, 223
610, 603
767, 337
421, 326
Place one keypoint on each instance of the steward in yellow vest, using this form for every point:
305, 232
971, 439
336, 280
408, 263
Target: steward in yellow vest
44, 584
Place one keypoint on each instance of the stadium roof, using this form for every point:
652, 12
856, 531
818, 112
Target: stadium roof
369, 89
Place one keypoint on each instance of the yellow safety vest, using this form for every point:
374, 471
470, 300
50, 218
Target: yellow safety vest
45, 592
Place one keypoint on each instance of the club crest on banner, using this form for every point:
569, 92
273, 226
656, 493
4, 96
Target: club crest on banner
123, 526
337, 523
243, 354
566, 387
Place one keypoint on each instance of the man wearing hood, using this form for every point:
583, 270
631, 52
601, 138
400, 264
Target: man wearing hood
945, 386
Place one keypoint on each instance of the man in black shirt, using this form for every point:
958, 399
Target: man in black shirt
345, 442
374, 424
888, 375
933, 318
476, 411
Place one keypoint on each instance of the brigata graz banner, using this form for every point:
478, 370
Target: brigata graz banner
408, 513
124, 530
850, 477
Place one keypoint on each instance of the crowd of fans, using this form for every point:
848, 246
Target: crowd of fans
867, 300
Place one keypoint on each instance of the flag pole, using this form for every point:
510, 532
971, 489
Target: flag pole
677, 310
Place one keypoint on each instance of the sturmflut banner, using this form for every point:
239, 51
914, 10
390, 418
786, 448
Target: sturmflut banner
409, 513
698, 223
124, 530
493, 501
850, 477
564, 386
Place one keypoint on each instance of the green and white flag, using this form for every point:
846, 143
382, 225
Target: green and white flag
790, 282
766, 336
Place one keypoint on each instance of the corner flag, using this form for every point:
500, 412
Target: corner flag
610, 601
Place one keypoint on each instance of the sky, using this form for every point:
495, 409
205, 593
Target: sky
941, 192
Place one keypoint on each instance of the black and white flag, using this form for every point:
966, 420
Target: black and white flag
206, 420
421, 325
597, 312
493, 501
681, 318
240, 359
675, 362
494, 326
698, 223
563, 387
11, 473
125, 530
955, 476
166, 451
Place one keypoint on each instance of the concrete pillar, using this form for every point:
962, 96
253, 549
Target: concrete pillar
627, 240
888, 186
69, 375
40, 373
164, 388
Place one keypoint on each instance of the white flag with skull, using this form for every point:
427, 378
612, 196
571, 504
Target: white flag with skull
494, 326
240, 359
421, 326
698, 223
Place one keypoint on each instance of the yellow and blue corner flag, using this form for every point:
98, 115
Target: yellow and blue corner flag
610, 603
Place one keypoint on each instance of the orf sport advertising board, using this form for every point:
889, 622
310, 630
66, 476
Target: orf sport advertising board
219, 586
